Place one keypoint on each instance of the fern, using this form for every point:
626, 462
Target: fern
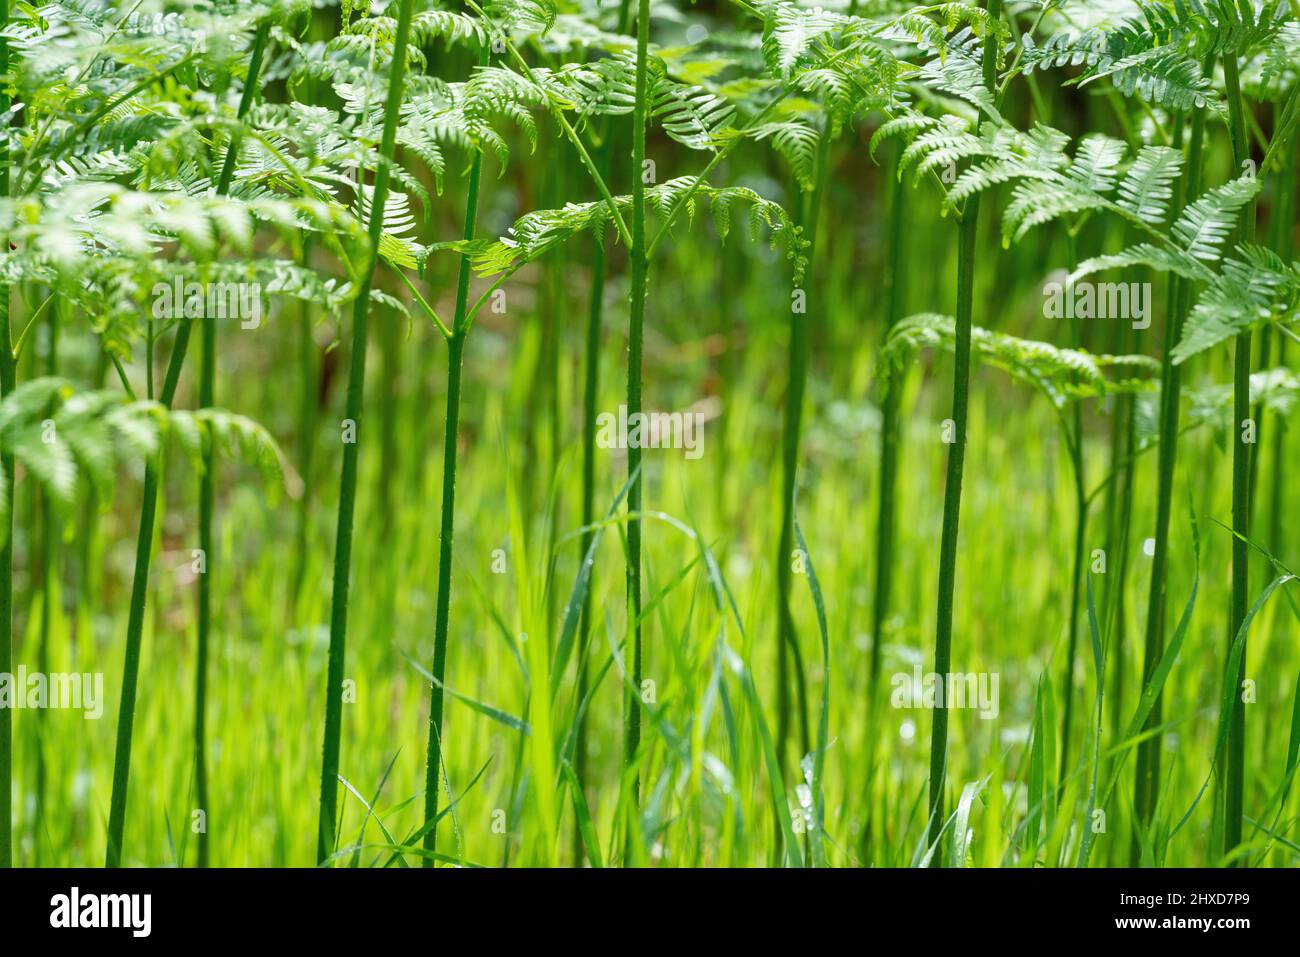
1157, 54
1061, 375
1205, 224
790, 34
1096, 163
1252, 288
536, 233
1277, 390
1147, 188
1159, 258
236, 435
59, 434
1033, 204
796, 141
690, 115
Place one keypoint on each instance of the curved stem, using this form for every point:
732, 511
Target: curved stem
570, 133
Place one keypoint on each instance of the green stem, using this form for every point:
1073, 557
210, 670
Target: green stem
966, 241
455, 355
49, 579
144, 538
135, 616
1285, 248
1147, 765
1075, 445
636, 325
206, 495
309, 385
1119, 508
788, 650
1234, 784
895, 297
207, 388
590, 399
1076, 583
329, 783
968, 236
6, 530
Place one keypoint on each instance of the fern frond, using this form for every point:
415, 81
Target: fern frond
1277, 390
1146, 189
796, 141
1251, 289
1035, 203
536, 233
790, 32
691, 115
1206, 223
1148, 256
1061, 375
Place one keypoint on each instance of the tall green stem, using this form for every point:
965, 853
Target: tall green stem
1076, 583
207, 388
7, 377
1285, 248
966, 240
1074, 441
590, 397
635, 346
788, 651
1234, 784
329, 784
1147, 765
895, 296
308, 398
455, 356
148, 514
968, 236
49, 581
1119, 508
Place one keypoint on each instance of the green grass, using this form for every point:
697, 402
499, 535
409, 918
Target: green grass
267, 675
